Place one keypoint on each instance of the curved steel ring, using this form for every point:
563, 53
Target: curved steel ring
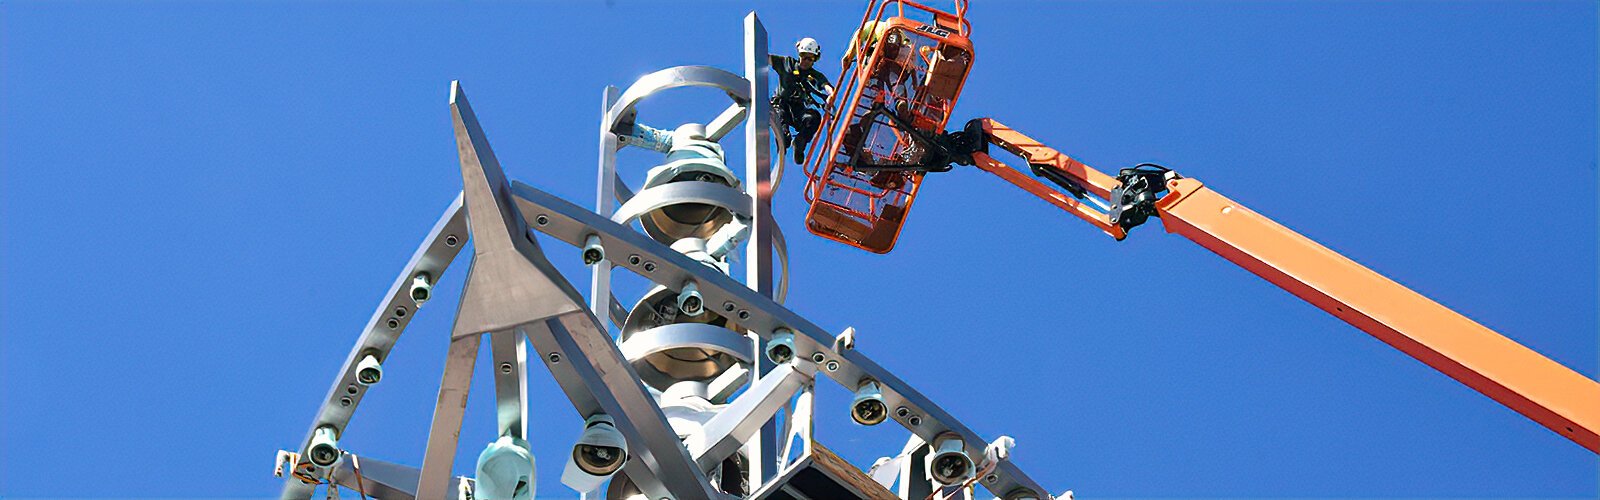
674, 193
680, 335
780, 248
675, 77
734, 200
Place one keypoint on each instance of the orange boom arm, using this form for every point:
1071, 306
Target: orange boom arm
1547, 392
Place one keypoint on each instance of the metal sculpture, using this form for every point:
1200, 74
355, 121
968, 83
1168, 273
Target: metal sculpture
706, 374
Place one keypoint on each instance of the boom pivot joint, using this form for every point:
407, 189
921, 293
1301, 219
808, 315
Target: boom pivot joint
1133, 201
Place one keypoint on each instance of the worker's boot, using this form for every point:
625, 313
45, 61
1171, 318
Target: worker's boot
888, 180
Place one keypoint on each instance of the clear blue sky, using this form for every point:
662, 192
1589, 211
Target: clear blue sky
200, 204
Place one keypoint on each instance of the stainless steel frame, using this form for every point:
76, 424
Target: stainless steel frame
514, 295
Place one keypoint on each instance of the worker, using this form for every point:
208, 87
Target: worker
862, 42
802, 93
890, 75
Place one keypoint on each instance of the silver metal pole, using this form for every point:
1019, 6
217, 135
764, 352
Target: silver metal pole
762, 451
605, 205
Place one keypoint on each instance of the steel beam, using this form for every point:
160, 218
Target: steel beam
746, 415
384, 480
601, 302
728, 383
914, 482
597, 379
444, 434
511, 382
758, 250
724, 123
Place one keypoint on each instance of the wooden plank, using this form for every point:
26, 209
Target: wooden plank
848, 475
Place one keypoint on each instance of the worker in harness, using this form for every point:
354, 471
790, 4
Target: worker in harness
802, 92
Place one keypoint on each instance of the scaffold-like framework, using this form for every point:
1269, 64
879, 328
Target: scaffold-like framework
706, 390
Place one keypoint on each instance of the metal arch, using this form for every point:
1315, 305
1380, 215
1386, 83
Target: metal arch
433, 256
679, 335
683, 192
677, 77
570, 223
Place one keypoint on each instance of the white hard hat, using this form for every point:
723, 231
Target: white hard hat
808, 45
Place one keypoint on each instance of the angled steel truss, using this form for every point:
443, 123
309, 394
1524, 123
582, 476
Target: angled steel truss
515, 297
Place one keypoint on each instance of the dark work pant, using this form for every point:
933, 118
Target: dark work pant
804, 120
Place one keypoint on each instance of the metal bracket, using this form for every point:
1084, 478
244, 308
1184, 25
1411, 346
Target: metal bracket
1134, 199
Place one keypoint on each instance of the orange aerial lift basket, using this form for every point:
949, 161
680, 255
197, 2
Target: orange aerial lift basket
864, 174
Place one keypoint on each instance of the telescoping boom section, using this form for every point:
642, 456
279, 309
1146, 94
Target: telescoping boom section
1553, 395
910, 63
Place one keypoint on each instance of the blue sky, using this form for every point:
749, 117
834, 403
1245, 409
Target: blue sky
200, 204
